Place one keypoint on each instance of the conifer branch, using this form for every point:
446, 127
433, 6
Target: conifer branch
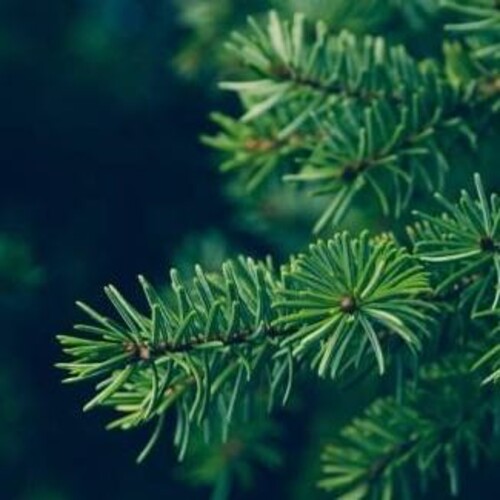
199, 347
202, 348
318, 73
478, 24
395, 449
389, 150
464, 240
331, 110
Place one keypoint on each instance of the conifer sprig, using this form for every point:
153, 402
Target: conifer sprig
213, 342
200, 347
396, 449
318, 70
347, 296
384, 148
477, 24
339, 113
464, 240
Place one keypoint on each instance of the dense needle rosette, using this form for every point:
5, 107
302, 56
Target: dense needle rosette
346, 296
465, 242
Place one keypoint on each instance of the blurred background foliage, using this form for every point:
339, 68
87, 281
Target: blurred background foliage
102, 177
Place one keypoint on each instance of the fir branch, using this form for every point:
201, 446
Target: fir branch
464, 240
332, 109
200, 347
203, 347
394, 450
321, 72
256, 151
381, 146
478, 24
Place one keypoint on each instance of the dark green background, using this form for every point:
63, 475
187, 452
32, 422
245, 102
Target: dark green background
101, 171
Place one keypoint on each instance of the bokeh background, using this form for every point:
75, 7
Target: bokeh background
103, 177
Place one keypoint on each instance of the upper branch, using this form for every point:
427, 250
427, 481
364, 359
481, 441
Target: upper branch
341, 111
478, 25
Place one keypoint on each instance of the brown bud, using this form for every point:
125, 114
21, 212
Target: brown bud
348, 304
